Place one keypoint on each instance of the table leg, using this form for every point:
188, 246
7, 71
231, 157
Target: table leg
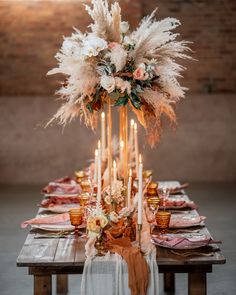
169, 281
197, 284
62, 284
42, 284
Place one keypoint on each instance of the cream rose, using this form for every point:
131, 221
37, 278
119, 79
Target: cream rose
93, 45
124, 27
108, 83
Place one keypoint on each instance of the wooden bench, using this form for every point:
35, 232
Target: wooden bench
45, 257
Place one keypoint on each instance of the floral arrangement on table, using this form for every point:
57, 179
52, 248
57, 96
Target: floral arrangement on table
111, 224
137, 68
118, 191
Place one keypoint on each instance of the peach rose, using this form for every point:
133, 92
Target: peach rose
112, 45
140, 73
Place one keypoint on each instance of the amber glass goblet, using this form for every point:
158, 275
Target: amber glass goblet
76, 219
83, 199
163, 220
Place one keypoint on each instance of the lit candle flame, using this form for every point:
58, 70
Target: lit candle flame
135, 127
96, 152
102, 115
132, 123
99, 144
122, 144
114, 163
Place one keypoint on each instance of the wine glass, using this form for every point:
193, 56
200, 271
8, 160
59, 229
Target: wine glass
76, 219
164, 193
151, 210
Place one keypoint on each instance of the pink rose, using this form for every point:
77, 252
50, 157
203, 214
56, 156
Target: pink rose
140, 73
112, 45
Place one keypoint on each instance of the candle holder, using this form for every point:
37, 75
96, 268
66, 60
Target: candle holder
100, 246
139, 234
80, 176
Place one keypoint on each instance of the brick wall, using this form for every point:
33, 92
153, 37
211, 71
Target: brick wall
203, 147
31, 33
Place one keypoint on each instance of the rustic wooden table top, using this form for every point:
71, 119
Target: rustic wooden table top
70, 252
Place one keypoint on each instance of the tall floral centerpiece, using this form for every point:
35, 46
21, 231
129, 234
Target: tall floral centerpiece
111, 66
114, 65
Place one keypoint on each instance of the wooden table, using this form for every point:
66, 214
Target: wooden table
45, 257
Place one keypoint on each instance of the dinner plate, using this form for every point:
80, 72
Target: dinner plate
61, 208
61, 195
66, 226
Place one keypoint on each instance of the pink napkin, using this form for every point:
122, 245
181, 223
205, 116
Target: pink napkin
182, 242
62, 188
180, 204
59, 200
181, 220
47, 220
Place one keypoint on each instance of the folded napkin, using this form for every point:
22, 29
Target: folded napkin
178, 242
138, 271
62, 188
185, 220
54, 219
180, 203
59, 200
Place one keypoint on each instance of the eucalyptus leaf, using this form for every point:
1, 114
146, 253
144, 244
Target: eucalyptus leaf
122, 101
114, 95
89, 107
135, 101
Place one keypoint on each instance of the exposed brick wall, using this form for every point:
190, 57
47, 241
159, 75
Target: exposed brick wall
211, 26
31, 33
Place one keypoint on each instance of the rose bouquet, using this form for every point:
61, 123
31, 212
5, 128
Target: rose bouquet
136, 68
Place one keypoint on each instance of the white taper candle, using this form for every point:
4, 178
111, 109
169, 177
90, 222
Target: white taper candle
95, 166
140, 190
99, 191
129, 188
136, 147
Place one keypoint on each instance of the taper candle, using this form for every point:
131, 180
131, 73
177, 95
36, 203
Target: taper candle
103, 135
129, 188
95, 166
136, 147
121, 156
99, 191
140, 190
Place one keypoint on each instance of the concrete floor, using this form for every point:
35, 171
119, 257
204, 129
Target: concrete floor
216, 201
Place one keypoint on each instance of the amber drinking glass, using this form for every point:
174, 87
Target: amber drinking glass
76, 219
163, 220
